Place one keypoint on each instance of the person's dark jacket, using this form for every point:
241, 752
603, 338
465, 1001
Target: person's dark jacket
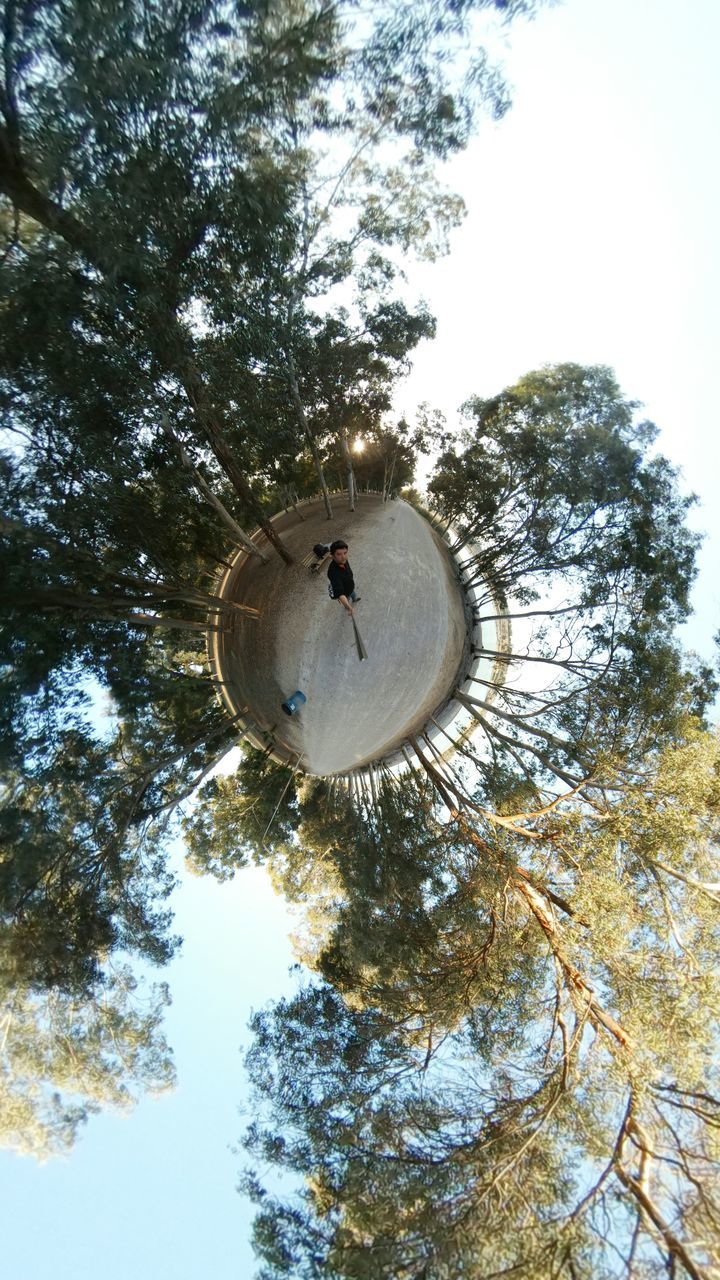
341, 580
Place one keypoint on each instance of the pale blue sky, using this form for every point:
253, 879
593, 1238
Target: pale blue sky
591, 236
592, 230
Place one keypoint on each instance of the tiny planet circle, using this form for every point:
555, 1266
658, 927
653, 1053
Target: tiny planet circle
412, 621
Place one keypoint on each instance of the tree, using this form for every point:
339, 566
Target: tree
246, 815
64, 1058
556, 479
350, 371
568, 1123
178, 251
387, 458
156, 160
571, 532
128, 169
80, 876
196, 153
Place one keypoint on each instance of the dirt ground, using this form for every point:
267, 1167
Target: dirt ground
411, 618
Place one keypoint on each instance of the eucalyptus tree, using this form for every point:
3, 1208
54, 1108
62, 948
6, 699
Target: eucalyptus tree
67, 1057
86, 815
570, 529
81, 874
345, 373
560, 1114
245, 816
89, 569
367, 189
387, 455
166, 153
129, 138
158, 209
88, 587
349, 372
105, 729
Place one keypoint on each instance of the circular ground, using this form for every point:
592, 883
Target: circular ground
411, 618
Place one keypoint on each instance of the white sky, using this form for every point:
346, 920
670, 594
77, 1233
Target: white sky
591, 236
592, 231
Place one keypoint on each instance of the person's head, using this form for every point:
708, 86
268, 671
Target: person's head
339, 551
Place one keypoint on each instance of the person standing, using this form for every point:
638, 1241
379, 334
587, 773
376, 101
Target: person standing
340, 576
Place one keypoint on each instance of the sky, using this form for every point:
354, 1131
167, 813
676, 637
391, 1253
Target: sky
591, 236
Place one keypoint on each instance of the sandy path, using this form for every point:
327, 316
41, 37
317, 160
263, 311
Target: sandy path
411, 618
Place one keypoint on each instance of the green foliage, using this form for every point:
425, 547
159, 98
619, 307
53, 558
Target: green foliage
65, 1058
79, 876
569, 527
402, 1167
509, 1061
162, 263
557, 478
512, 1062
161, 254
388, 457
248, 814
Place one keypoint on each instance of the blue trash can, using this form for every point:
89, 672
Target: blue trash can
294, 702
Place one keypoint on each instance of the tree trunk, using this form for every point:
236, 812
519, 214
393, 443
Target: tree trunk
305, 426
347, 456
146, 777
162, 620
117, 608
470, 703
318, 468
151, 590
570, 780
15, 184
388, 486
195, 392
533, 894
289, 498
574, 979
238, 534
675, 1247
